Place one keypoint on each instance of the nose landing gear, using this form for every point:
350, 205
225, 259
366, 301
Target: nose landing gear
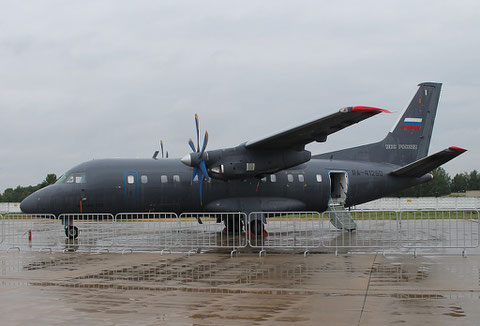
71, 232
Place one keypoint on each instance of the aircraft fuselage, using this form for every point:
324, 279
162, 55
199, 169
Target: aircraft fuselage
165, 185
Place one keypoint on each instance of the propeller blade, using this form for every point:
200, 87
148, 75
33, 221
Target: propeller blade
155, 155
161, 146
192, 146
203, 169
195, 171
200, 184
198, 133
166, 155
205, 142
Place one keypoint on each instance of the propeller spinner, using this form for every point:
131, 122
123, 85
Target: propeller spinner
196, 159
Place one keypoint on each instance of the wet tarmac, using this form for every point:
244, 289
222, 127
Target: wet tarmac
111, 276
216, 289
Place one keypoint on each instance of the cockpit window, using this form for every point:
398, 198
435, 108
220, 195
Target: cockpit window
62, 179
80, 178
73, 178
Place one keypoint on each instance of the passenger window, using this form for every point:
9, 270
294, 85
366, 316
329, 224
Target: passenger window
164, 179
319, 178
144, 179
273, 178
301, 178
130, 179
176, 178
290, 178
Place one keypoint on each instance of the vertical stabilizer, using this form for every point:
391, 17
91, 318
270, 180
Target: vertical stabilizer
410, 138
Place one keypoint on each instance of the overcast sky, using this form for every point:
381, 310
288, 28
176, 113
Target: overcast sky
82, 80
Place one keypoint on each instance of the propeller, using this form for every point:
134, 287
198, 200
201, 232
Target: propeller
196, 159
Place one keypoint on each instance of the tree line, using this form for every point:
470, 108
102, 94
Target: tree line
20, 193
441, 185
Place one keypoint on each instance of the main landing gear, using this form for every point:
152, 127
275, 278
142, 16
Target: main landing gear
257, 228
235, 225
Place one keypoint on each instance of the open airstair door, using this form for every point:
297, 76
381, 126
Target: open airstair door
338, 186
338, 215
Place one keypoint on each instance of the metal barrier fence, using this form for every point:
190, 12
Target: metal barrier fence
2, 229
285, 230
144, 231
27, 230
205, 230
93, 230
439, 229
375, 229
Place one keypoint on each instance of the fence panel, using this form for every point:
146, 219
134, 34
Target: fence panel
2, 229
211, 233
375, 229
94, 230
439, 229
30, 231
146, 231
285, 230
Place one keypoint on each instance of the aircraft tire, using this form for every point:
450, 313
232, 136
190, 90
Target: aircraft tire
71, 232
257, 227
233, 225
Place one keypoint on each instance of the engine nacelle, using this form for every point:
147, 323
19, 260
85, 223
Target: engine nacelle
240, 162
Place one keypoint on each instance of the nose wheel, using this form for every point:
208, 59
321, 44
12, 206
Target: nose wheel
71, 232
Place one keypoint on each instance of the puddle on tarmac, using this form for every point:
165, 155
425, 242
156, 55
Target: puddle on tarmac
199, 273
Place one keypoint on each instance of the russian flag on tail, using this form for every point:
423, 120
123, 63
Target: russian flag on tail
412, 123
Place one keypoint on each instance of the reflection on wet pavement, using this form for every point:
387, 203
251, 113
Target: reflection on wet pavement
206, 289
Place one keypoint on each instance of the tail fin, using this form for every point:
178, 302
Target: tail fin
410, 138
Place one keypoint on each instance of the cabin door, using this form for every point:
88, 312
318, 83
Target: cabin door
338, 186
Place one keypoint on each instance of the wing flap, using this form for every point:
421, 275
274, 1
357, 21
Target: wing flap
428, 163
316, 130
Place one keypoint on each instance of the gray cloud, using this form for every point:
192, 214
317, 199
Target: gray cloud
94, 79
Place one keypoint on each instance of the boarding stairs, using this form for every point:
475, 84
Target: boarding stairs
339, 216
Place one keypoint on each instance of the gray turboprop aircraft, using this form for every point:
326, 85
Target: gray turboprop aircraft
273, 173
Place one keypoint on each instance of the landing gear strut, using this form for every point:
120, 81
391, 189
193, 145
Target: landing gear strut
71, 232
233, 224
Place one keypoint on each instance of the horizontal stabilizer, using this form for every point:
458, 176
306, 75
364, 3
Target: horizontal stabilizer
428, 163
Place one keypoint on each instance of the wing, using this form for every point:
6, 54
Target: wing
428, 163
317, 130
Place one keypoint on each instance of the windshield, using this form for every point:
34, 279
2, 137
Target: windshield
78, 178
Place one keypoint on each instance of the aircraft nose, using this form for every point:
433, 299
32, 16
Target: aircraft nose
29, 204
